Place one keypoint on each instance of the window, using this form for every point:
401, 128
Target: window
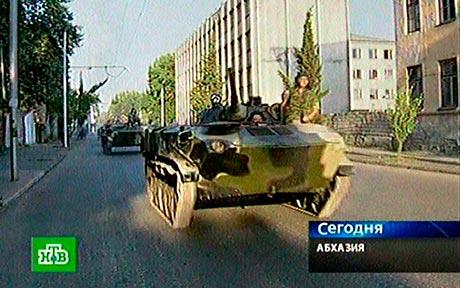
357, 74
248, 41
358, 94
413, 15
388, 74
446, 11
374, 94
449, 83
373, 74
388, 94
388, 54
356, 53
415, 77
372, 53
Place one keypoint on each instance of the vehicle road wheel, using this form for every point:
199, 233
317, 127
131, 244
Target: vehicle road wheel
341, 187
173, 199
108, 148
324, 204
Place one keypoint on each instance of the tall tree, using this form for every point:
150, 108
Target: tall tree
124, 102
161, 74
41, 27
210, 81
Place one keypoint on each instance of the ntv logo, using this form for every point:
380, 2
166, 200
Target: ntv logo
53, 254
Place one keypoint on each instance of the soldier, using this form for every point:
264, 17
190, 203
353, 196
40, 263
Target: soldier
299, 106
133, 118
257, 119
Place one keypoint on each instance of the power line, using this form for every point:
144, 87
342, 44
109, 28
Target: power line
122, 30
134, 38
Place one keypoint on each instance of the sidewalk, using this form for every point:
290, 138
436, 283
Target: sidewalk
418, 160
34, 162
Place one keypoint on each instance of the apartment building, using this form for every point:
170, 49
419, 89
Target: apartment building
256, 38
372, 73
428, 56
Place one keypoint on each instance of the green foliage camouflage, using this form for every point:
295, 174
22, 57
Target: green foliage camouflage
404, 116
309, 65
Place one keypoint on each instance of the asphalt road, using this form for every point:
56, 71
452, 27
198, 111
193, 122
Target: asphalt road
122, 242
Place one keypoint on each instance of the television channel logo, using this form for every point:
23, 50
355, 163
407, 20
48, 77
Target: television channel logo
54, 254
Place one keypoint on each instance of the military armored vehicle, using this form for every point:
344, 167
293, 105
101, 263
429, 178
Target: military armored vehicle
121, 135
241, 155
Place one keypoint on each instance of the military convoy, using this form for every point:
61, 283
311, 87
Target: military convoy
241, 155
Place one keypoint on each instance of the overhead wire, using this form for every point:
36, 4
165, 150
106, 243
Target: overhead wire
139, 17
125, 9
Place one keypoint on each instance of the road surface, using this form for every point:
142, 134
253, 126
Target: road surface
122, 242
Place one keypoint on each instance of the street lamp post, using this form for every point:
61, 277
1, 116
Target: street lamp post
64, 92
13, 51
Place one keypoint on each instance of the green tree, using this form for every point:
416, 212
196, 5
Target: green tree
124, 102
309, 65
41, 26
161, 74
404, 116
210, 81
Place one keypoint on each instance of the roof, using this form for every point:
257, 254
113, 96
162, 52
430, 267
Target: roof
357, 37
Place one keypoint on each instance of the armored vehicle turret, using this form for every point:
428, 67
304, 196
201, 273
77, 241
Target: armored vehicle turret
241, 155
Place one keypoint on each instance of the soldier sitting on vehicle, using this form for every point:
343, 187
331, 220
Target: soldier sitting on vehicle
133, 118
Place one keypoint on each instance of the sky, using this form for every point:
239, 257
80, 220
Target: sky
133, 33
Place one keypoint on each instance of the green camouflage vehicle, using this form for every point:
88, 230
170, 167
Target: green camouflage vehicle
241, 155
121, 135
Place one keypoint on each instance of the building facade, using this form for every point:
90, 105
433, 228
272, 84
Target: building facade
428, 56
373, 73
256, 38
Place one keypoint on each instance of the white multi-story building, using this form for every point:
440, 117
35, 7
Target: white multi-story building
372, 73
253, 37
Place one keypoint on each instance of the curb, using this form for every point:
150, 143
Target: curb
416, 157
407, 166
30, 184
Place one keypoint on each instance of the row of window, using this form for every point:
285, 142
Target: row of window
448, 79
374, 94
373, 74
373, 54
446, 13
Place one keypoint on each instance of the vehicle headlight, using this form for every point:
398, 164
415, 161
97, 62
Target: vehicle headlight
218, 146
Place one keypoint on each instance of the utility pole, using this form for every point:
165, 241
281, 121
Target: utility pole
64, 96
287, 36
14, 86
162, 104
2, 71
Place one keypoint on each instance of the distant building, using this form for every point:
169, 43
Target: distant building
428, 56
372, 73
253, 37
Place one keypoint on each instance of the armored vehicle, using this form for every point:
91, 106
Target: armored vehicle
121, 135
240, 155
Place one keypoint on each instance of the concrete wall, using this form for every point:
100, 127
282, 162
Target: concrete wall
427, 47
363, 128
334, 33
434, 42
